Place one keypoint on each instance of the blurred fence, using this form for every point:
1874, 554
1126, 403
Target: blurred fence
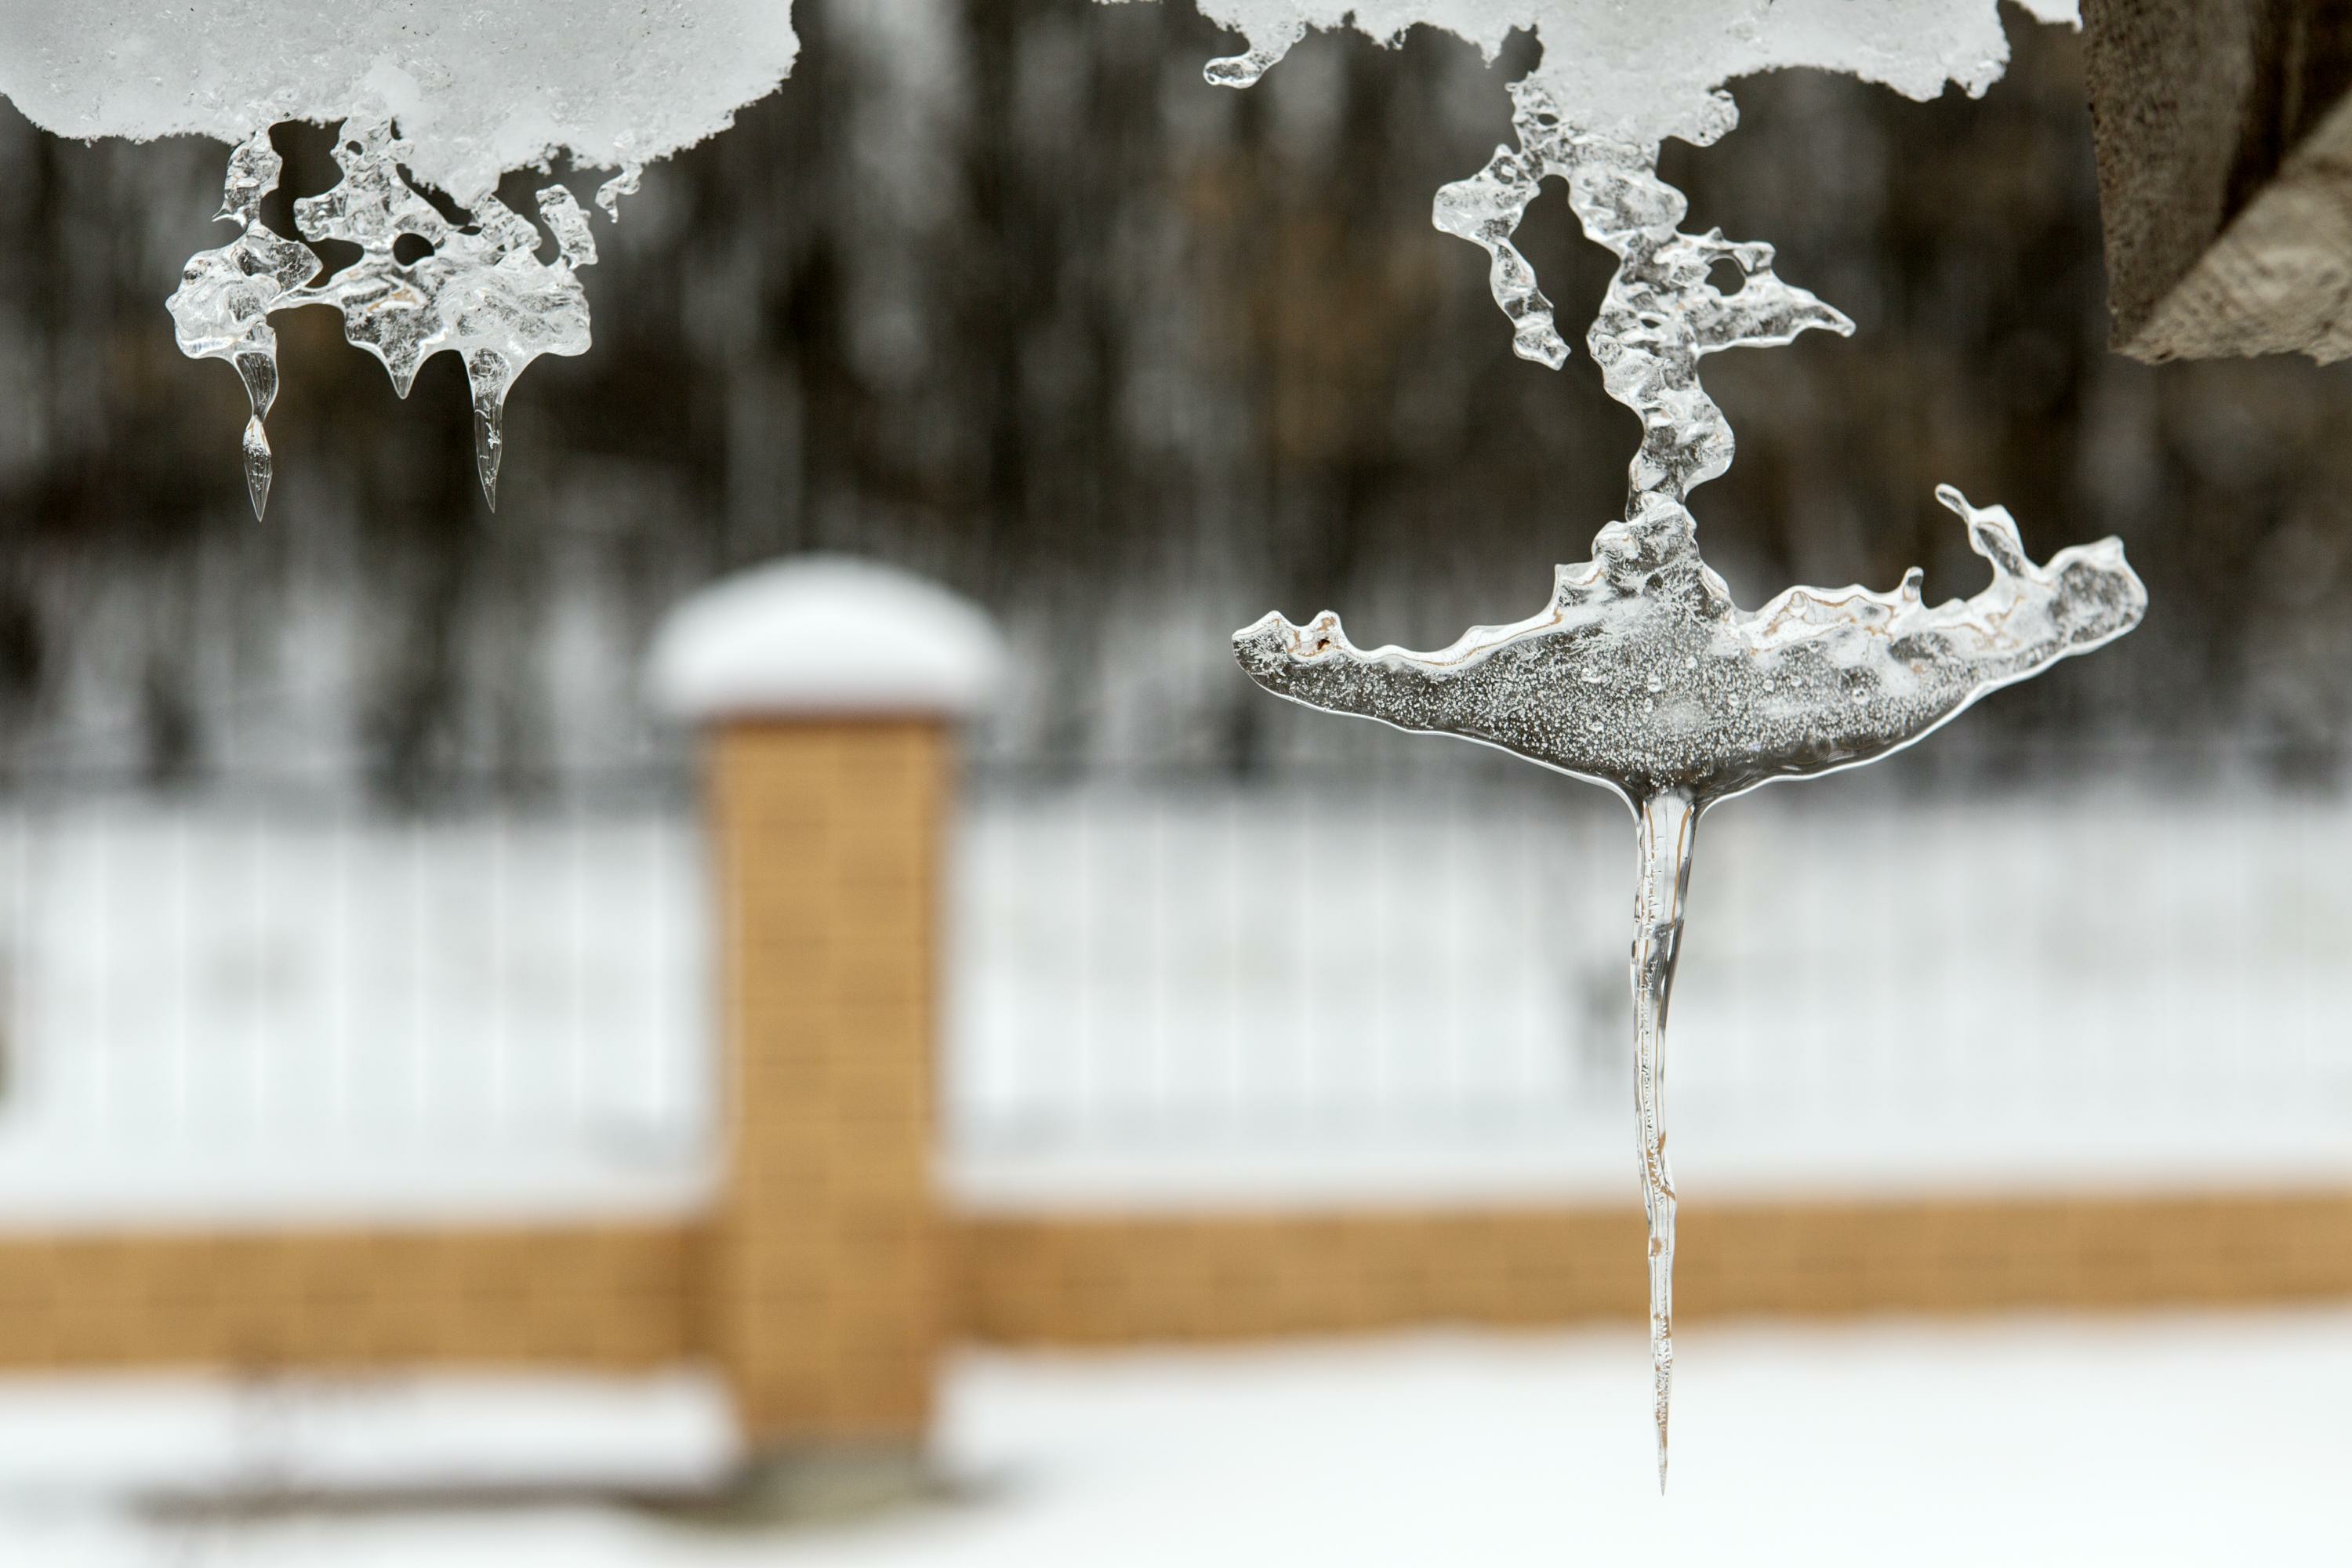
1407, 983
1172, 985
300, 991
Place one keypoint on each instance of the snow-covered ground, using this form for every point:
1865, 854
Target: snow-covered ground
1170, 995
2063, 1441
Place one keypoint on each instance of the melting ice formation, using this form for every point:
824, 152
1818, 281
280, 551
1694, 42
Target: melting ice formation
1642, 674
474, 91
480, 290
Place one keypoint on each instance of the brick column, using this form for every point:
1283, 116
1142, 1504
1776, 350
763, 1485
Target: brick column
824, 1274
827, 691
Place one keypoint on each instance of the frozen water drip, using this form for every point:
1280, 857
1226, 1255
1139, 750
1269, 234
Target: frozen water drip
1642, 674
480, 289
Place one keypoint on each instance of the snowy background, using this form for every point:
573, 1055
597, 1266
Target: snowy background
1169, 992
344, 870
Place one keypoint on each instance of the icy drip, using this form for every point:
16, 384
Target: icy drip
624, 183
1669, 823
479, 290
222, 308
1642, 674
1262, 55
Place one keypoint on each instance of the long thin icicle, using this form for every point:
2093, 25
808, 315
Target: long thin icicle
1669, 825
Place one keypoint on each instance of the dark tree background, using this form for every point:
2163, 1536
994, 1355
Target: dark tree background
1011, 296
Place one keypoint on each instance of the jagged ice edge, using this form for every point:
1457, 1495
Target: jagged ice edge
482, 293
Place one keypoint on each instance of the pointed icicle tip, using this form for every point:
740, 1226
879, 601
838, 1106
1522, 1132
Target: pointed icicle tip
1662, 1440
488, 376
489, 445
256, 447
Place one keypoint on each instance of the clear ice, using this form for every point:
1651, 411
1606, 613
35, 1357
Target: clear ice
480, 291
477, 91
1642, 674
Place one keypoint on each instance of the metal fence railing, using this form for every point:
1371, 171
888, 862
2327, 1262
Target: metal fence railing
1217, 977
2071, 980
195, 984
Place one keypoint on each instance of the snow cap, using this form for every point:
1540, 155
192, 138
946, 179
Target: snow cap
824, 634
478, 89
1641, 71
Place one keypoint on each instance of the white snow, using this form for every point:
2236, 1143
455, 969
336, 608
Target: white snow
199, 1432
2034, 1442
478, 89
1640, 72
824, 634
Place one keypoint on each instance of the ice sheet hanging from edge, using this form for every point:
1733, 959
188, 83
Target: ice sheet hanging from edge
478, 89
1639, 72
445, 94
1613, 81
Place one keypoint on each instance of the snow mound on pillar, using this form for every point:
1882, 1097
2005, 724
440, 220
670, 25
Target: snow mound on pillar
824, 635
1639, 72
478, 89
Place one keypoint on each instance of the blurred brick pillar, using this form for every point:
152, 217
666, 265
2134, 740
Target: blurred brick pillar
825, 1272
827, 691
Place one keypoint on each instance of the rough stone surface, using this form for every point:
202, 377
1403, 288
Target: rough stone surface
2225, 175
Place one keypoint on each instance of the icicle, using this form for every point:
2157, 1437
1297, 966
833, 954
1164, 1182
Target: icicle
221, 309
574, 241
1265, 50
1669, 825
1642, 674
259, 373
480, 291
1242, 69
1485, 210
489, 376
624, 183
